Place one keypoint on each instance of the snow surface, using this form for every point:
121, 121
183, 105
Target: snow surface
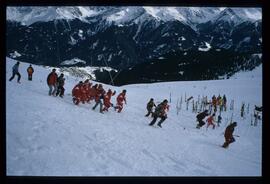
50, 136
208, 47
73, 61
15, 54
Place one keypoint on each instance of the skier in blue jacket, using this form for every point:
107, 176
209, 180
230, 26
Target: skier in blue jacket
15, 71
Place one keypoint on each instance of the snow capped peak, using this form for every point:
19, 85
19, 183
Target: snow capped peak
192, 15
164, 13
239, 15
29, 15
117, 16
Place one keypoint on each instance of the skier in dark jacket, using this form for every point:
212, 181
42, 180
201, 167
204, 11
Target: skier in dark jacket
200, 118
224, 102
100, 92
15, 71
150, 106
160, 112
219, 120
60, 85
229, 134
30, 71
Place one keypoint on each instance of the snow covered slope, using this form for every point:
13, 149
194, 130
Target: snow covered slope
50, 136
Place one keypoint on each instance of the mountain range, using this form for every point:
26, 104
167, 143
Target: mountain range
173, 43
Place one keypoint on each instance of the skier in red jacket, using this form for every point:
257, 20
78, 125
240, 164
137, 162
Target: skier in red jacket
210, 121
77, 93
120, 98
107, 100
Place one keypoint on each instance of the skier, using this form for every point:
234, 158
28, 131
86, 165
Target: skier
30, 72
219, 120
210, 121
229, 135
200, 118
224, 102
15, 71
52, 82
93, 92
220, 104
99, 96
87, 87
60, 85
120, 98
76, 93
160, 112
85, 91
218, 100
150, 106
107, 100
214, 103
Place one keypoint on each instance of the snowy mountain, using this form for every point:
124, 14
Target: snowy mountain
50, 136
191, 15
126, 37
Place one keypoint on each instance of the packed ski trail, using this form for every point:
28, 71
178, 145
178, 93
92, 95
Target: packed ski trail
50, 136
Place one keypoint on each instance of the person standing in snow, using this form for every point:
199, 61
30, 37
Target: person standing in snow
150, 106
100, 92
219, 120
30, 71
87, 86
60, 85
200, 118
120, 99
52, 82
224, 102
229, 135
160, 112
210, 121
15, 71
214, 103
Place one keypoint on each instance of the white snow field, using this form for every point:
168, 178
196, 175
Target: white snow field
50, 136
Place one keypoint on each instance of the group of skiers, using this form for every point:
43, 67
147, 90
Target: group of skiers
85, 92
219, 101
210, 121
159, 112
56, 84
15, 71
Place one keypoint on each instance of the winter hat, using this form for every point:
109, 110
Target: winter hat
234, 123
124, 91
165, 101
151, 99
